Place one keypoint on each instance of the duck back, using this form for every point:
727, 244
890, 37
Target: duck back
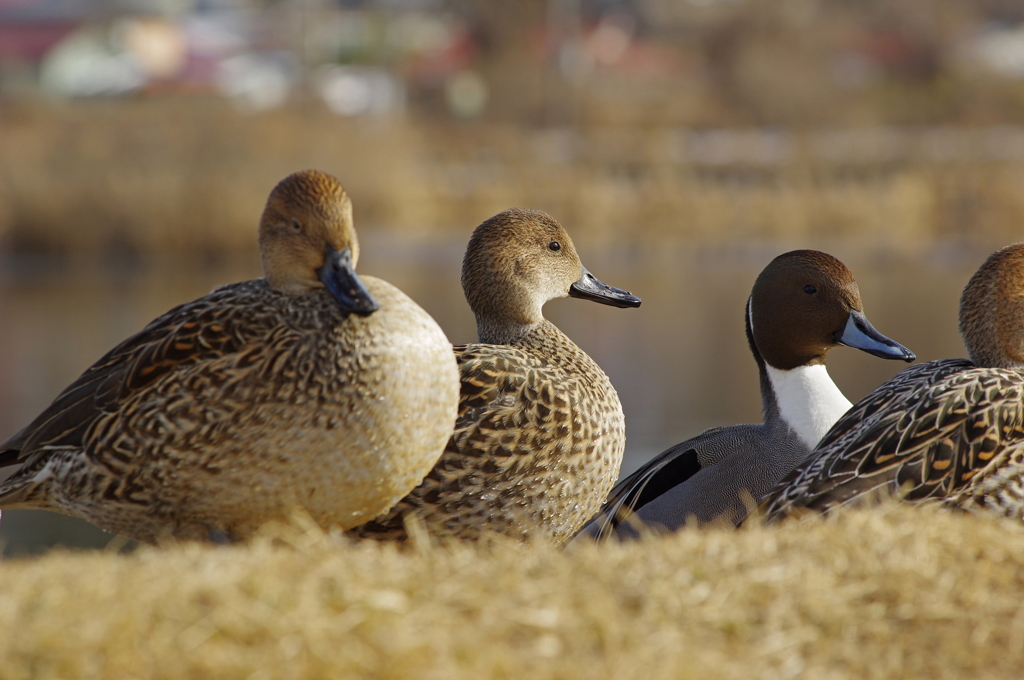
234, 409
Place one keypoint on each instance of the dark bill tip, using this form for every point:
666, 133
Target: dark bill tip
340, 278
860, 334
589, 287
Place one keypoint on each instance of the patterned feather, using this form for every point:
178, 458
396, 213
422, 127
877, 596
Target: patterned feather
190, 333
537, 441
943, 431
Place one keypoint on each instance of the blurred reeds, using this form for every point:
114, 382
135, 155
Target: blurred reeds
166, 174
892, 592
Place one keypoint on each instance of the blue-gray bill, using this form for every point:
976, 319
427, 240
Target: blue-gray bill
589, 287
860, 334
339, 276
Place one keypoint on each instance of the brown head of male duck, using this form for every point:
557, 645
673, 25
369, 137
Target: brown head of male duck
540, 432
310, 388
949, 432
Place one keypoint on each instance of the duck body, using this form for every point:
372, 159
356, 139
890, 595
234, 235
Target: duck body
803, 304
538, 442
710, 478
540, 432
947, 432
239, 407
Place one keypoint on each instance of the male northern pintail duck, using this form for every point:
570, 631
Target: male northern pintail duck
948, 432
802, 305
540, 433
310, 388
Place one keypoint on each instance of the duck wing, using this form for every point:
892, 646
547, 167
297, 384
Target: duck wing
204, 329
706, 478
512, 412
654, 478
925, 434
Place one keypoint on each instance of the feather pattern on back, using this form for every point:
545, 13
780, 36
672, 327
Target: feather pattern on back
225, 412
537, 443
946, 430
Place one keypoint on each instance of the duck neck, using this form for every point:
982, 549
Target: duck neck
503, 331
806, 399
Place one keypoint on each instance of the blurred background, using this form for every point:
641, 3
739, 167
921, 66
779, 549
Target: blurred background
683, 144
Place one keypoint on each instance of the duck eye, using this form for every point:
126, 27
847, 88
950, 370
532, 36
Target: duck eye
810, 290
296, 226
554, 246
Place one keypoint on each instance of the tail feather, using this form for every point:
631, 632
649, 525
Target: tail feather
17, 494
9, 458
20, 492
19, 487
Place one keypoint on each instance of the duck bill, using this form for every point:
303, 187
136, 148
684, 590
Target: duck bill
589, 287
860, 334
339, 276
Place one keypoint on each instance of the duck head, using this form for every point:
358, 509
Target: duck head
307, 241
806, 302
518, 260
992, 311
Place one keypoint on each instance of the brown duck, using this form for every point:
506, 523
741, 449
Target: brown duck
310, 388
540, 433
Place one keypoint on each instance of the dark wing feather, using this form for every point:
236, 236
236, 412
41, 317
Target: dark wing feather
924, 434
187, 334
9, 457
665, 471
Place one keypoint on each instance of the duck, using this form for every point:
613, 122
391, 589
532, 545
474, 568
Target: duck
540, 432
947, 432
312, 388
803, 304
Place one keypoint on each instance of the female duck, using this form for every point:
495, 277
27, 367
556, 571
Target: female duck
949, 431
802, 305
540, 431
309, 388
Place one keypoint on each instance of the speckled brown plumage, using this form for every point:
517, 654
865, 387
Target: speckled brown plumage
231, 410
537, 445
949, 432
540, 432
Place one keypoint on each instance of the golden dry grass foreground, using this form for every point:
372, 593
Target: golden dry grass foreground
887, 593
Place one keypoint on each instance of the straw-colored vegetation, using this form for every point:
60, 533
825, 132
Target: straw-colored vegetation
890, 593
176, 175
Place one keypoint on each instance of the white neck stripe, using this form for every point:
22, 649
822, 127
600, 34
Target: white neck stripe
809, 401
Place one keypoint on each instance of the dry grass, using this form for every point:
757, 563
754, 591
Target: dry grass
892, 593
180, 175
